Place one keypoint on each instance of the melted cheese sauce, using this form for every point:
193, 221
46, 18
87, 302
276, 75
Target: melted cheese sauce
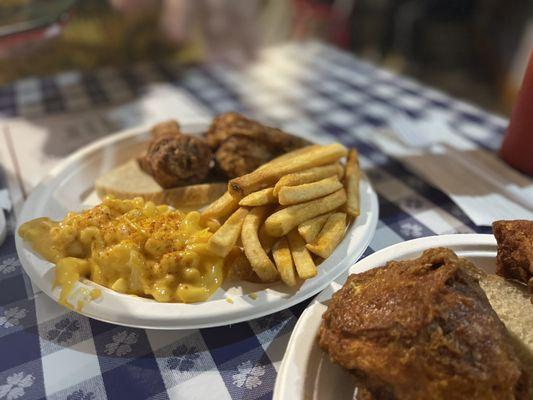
132, 247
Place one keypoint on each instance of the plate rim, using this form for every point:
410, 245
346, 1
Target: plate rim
462, 241
172, 323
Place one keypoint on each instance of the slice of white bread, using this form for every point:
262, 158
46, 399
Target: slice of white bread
129, 180
512, 303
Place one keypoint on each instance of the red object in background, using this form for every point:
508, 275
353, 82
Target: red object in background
24, 29
322, 19
517, 146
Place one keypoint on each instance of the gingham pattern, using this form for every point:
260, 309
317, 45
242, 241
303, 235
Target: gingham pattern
47, 351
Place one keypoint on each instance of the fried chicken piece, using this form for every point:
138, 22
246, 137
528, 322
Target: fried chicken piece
177, 160
225, 125
241, 145
239, 155
166, 128
515, 250
231, 123
421, 329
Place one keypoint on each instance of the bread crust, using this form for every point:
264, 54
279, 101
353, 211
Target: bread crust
128, 181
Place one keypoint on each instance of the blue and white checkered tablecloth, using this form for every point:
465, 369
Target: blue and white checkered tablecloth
48, 351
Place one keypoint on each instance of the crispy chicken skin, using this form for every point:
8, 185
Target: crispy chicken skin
232, 123
164, 128
241, 145
421, 329
515, 250
177, 160
239, 155
226, 125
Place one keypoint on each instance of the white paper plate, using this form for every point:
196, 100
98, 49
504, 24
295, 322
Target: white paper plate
70, 187
306, 372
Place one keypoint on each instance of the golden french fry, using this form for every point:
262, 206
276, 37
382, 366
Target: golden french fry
309, 175
259, 198
289, 155
266, 240
226, 236
308, 191
283, 259
238, 266
261, 263
302, 259
310, 229
213, 224
330, 235
283, 221
224, 205
351, 181
295, 161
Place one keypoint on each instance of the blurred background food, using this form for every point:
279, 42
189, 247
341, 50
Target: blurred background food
474, 49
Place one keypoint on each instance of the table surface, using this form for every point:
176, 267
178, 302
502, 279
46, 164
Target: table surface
309, 88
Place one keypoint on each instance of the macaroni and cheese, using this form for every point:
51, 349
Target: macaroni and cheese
130, 246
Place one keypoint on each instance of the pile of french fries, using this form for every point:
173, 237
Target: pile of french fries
280, 220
